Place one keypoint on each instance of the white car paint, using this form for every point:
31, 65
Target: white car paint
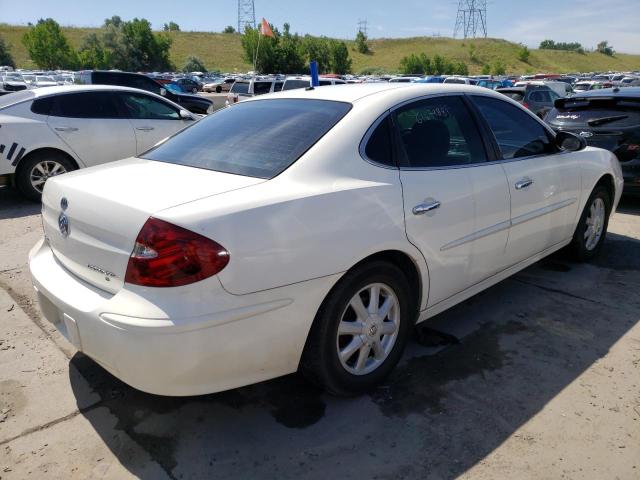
87, 141
290, 240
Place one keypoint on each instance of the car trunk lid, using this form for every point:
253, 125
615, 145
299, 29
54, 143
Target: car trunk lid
91, 218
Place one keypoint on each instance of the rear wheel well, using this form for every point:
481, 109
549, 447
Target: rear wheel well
408, 267
45, 150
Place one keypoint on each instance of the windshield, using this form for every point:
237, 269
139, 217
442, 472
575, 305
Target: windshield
44, 79
257, 139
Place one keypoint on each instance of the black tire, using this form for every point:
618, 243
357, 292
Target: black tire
218, 89
320, 361
579, 248
27, 166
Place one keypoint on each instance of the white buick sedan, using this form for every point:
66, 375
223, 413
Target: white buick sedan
309, 230
53, 130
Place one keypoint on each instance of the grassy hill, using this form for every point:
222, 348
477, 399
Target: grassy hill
224, 52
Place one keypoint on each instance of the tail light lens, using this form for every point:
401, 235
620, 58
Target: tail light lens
166, 255
526, 105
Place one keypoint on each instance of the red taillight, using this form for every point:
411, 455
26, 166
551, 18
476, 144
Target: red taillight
526, 105
166, 255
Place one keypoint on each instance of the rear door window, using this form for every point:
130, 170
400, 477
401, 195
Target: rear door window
256, 138
260, 88
85, 105
439, 132
240, 87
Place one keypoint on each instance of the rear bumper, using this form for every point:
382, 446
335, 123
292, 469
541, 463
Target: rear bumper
144, 341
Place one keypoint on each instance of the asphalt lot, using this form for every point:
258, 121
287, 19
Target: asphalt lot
537, 377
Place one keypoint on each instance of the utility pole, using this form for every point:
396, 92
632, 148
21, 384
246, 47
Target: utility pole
246, 15
471, 19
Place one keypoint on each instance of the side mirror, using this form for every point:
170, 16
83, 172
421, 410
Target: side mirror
184, 115
570, 142
163, 92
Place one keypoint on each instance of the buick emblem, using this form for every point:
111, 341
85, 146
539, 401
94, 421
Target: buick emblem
63, 224
64, 203
586, 134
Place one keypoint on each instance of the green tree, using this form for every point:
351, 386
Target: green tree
486, 69
48, 47
289, 52
5, 55
318, 49
261, 49
604, 48
132, 45
229, 29
92, 53
416, 64
340, 61
498, 68
361, 43
171, 27
523, 54
194, 64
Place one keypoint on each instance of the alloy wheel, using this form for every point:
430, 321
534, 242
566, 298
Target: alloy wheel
368, 329
44, 170
594, 223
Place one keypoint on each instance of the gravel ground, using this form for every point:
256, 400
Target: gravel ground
537, 377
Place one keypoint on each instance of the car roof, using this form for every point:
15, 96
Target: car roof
57, 90
352, 93
626, 92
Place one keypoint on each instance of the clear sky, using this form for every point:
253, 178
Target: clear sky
526, 21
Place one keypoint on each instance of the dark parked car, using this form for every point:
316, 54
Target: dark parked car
537, 98
608, 118
189, 85
193, 103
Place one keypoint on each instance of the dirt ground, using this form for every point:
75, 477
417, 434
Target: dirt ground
535, 378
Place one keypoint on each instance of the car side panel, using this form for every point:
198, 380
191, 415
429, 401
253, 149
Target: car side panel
28, 132
280, 233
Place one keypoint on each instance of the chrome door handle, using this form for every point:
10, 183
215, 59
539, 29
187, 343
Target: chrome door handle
66, 129
524, 183
144, 129
425, 207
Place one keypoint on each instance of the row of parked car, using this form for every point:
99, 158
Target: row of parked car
605, 117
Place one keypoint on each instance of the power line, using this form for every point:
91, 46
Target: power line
246, 15
471, 19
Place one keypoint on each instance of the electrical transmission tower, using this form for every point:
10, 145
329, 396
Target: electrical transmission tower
246, 15
471, 19
362, 26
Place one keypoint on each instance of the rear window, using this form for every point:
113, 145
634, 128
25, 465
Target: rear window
256, 139
240, 87
514, 96
293, 84
596, 113
260, 88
